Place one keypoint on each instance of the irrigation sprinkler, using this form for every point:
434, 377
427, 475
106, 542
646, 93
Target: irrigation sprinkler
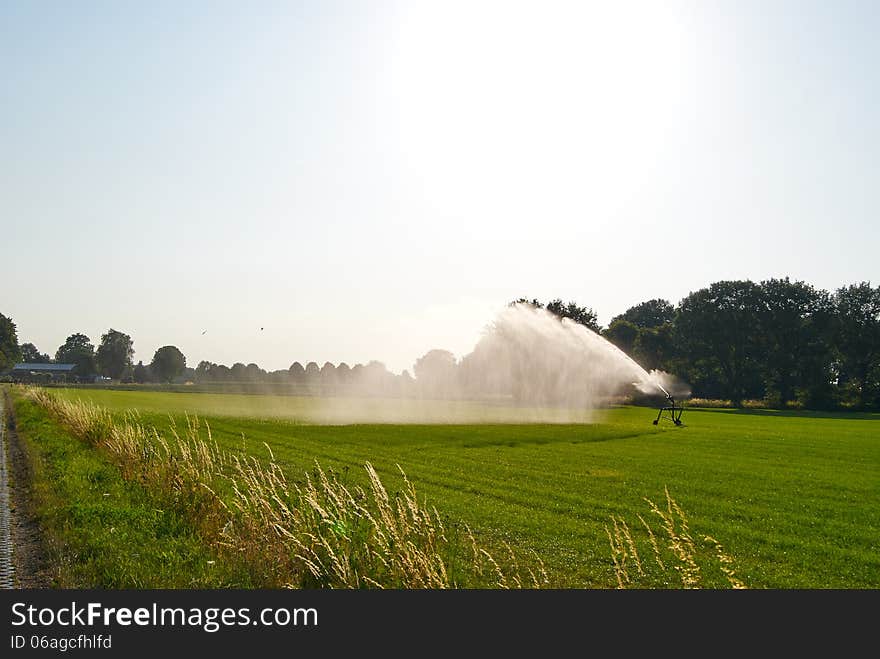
671, 412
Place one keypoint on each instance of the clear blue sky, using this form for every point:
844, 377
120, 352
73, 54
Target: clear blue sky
370, 180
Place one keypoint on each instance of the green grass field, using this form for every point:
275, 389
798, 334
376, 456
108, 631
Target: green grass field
794, 497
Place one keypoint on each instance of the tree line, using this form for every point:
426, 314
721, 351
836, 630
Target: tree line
781, 341
111, 359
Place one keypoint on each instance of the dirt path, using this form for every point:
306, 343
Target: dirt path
22, 555
7, 575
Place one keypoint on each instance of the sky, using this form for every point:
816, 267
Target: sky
273, 182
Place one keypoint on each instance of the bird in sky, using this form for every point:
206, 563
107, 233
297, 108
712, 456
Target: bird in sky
203, 332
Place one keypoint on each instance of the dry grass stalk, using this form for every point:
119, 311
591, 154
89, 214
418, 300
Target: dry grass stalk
725, 563
683, 555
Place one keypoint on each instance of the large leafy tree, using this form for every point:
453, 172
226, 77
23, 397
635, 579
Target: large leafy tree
31, 355
168, 362
205, 371
296, 372
114, 353
652, 313
793, 329
10, 353
78, 349
313, 372
655, 346
435, 372
328, 374
645, 331
623, 334
253, 373
717, 328
857, 337
581, 315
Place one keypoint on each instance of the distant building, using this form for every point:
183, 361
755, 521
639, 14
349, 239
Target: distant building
44, 372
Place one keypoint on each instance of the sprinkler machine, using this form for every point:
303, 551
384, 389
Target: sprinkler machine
671, 412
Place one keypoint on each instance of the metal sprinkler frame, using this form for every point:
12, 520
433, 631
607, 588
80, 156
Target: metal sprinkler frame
672, 411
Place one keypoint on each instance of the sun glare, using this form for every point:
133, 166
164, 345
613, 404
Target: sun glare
530, 109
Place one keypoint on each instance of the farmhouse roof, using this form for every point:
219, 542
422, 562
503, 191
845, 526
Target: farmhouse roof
56, 368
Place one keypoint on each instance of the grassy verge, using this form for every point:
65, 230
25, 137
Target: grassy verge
102, 531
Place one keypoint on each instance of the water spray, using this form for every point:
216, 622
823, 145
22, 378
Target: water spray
529, 366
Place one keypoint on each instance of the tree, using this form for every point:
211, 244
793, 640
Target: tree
10, 353
31, 355
652, 313
623, 334
647, 330
328, 374
253, 373
205, 371
793, 330
532, 303
436, 372
343, 373
405, 384
581, 315
717, 328
375, 377
114, 354
297, 372
655, 346
280, 376
857, 336
313, 373
141, 373
168, 362
237, 372
78, 349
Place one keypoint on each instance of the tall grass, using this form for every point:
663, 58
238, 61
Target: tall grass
316, 533
676, 559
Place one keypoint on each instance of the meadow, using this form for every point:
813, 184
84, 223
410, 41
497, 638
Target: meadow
793, 496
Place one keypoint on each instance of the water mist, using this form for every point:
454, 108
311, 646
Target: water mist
529, 366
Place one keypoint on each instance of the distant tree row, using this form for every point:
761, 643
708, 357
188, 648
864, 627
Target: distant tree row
778, 340
374, 377
112, 358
